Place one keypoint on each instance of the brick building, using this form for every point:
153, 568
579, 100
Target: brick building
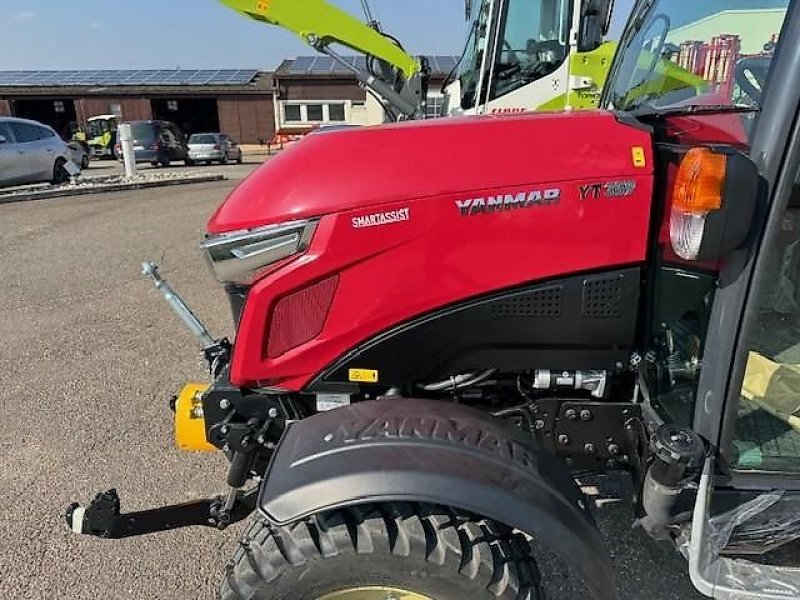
238, 101
249, 105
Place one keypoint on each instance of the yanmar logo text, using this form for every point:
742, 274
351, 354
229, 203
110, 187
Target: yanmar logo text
504, 202
382, 218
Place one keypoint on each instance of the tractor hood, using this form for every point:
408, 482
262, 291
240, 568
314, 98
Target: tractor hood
338, 171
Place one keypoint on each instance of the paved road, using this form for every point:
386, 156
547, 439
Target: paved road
89, 356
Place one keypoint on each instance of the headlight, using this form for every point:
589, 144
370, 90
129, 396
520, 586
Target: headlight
240, 256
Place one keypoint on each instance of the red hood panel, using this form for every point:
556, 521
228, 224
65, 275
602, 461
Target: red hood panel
339, 171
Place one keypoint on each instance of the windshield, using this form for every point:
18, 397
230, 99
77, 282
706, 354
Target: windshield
202, 138
97, 128
681, 53
531, 38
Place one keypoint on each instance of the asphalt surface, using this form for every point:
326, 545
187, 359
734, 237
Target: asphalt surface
90, 354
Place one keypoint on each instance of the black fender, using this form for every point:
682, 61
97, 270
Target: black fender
411, 450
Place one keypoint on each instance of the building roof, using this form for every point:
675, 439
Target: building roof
128, 78
325, 66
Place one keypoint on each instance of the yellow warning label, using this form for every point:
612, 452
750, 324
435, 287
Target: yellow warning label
639, 159
364, 375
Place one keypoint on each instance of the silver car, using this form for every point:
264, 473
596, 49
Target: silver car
31, 152
214, 147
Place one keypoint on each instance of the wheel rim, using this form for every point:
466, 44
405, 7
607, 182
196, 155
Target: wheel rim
374, 592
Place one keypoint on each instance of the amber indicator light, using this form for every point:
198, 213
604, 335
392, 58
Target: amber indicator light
700, 182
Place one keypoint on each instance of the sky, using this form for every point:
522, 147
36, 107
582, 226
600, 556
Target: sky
150, 34
192, 34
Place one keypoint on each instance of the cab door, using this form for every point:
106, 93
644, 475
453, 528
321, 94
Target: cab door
745, 530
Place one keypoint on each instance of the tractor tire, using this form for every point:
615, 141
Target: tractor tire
404, 550
60, 174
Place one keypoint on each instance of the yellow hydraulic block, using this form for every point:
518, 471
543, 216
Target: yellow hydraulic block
190, 426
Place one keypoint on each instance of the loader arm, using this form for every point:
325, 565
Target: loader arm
321, 24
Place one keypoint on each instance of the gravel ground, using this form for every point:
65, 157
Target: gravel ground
105, 174
90, 355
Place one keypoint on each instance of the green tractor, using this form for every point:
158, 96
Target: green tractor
99, 137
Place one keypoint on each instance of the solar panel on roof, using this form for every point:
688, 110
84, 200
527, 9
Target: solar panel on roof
301, 65
112, 77
201, 77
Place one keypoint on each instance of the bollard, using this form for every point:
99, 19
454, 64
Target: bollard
126, 143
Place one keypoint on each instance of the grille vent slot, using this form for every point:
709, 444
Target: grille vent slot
602, 298
538, 303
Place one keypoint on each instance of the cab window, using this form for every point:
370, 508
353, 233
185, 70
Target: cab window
532, 39
533, 43
767, 429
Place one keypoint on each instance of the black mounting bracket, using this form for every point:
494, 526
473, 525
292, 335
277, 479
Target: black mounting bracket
103, 518
591, 435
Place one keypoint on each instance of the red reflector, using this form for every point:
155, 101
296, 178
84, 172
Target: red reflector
300, 316
217, 147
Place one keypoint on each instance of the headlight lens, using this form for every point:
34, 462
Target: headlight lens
240, 256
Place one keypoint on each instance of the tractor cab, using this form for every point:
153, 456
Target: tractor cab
101, 135
723, 325
523, 55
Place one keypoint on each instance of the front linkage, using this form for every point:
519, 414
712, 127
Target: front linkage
245, 427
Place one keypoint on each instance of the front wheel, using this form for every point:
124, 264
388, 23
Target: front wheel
60, 174
376, 552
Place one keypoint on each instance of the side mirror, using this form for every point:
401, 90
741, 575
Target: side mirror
595, 23
713, 203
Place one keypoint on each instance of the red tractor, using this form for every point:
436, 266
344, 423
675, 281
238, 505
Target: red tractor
439, 323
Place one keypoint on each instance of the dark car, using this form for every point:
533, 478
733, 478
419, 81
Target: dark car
159, 143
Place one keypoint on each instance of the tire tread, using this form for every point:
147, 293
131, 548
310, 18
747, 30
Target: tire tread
493, 555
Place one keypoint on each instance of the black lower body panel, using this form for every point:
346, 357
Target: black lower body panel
579, 322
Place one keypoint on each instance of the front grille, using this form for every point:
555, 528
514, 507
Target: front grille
299, 317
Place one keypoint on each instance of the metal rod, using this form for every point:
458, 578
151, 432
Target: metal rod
177, 304
367, 11
380, 87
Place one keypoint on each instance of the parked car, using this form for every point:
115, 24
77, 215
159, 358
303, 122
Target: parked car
31, 152
214, 147
158, 142
79, 154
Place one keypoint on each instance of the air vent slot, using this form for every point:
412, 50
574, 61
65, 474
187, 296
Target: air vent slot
602, 298
544, 302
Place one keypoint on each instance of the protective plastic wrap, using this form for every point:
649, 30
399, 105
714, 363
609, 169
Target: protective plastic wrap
763, 524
